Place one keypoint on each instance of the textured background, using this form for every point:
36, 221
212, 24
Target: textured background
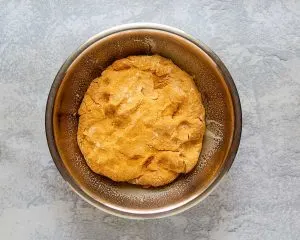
259, 41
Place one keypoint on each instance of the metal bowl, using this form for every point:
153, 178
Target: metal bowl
223, 118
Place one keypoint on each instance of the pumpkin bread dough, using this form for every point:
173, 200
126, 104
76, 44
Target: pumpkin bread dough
142, 121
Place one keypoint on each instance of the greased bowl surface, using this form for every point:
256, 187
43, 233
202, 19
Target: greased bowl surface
220, 99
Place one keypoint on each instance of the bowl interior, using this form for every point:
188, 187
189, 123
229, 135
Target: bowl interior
71, 85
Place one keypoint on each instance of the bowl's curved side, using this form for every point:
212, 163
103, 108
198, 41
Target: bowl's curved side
142, 214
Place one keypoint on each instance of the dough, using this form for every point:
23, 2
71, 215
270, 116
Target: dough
142, 121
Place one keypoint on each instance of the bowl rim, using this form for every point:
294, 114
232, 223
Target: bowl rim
165, 211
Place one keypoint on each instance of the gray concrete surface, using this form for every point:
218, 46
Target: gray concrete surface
258, 40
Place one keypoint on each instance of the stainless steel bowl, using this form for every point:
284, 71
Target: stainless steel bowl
223, 116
